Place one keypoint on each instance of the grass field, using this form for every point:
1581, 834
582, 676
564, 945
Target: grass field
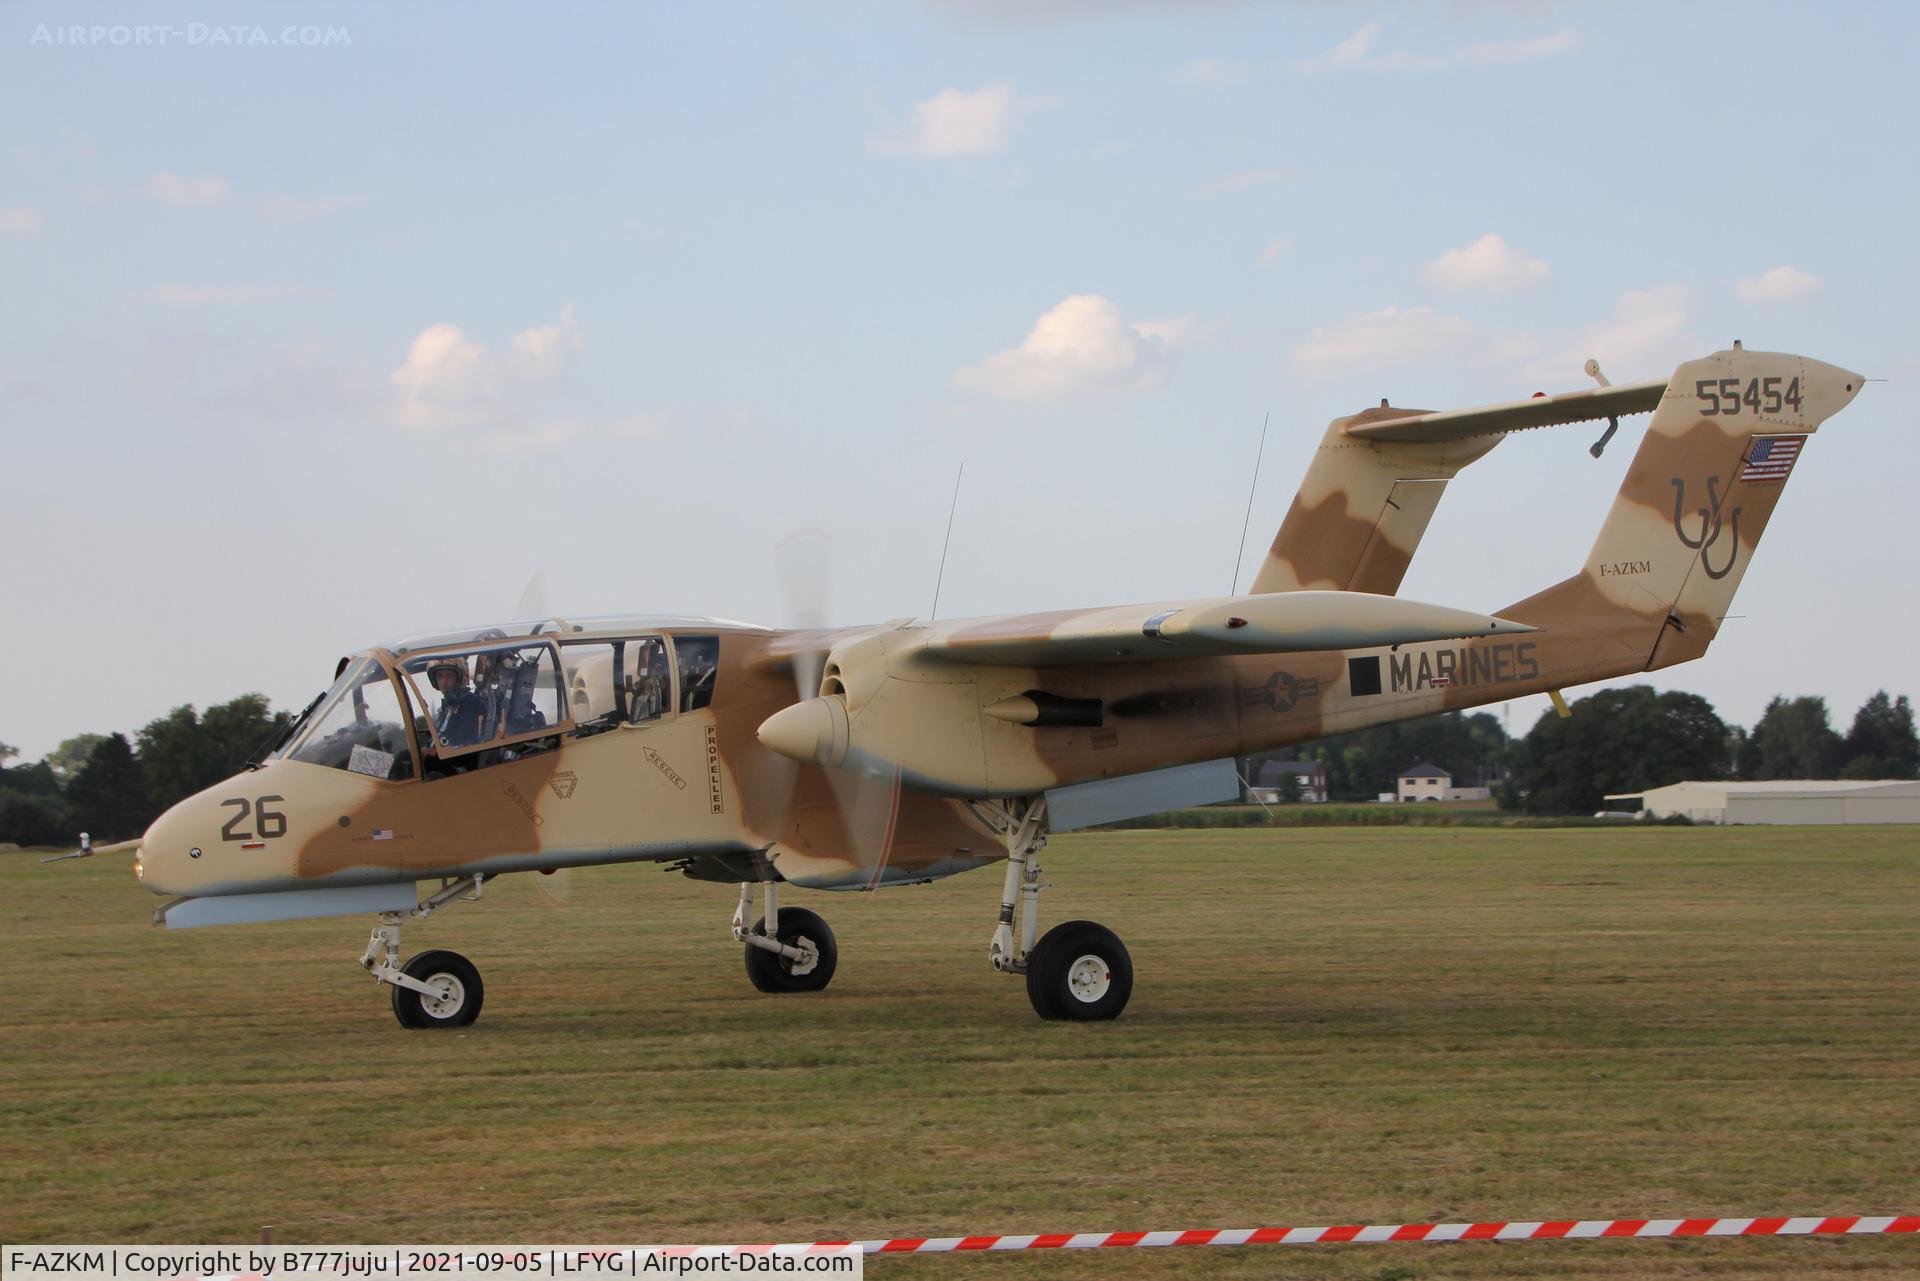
1367, 1025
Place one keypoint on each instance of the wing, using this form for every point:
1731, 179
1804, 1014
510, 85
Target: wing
1542, 411
1282, 623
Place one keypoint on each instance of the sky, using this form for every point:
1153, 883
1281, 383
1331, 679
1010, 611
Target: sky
326, 324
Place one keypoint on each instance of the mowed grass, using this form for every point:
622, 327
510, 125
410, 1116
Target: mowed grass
1329, 1026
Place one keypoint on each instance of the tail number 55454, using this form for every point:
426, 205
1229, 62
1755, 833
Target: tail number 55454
1726, 397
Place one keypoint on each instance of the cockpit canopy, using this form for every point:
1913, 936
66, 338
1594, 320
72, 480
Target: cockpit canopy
436, 705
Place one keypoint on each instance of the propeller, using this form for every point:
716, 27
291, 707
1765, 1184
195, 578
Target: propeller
803, 563
865, 803
533, 599
556, 886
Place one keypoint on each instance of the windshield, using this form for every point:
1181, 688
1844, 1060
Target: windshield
360, 726
286, 737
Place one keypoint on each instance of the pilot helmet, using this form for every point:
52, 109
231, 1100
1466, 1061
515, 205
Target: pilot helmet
451, 663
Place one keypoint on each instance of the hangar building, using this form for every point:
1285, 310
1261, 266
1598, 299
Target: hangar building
1785, 801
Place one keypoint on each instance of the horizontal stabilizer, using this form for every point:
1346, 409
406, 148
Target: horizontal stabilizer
1542, 411
1281, 623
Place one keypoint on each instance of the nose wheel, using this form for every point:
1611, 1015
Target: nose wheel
452, 992
806, 931
788, 949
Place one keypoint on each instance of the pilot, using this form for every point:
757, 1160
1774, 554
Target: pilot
463, 713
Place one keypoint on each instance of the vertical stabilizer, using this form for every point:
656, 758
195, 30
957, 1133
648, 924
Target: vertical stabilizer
1363, 507
1725, 440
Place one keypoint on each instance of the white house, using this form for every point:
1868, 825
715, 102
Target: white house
1424, 781
1428, 782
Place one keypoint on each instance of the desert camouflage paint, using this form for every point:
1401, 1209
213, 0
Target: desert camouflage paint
866, 782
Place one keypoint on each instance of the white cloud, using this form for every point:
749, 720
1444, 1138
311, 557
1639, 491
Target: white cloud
1777, 284
501, 396
200, 295
1645, 337
172, 189
1389, 336
1212, 73
956, 123
1271, 251
1247, 179
1644, 322
1083, 344
1357, 52
540, 351
20, 221
449, 380
1489, 265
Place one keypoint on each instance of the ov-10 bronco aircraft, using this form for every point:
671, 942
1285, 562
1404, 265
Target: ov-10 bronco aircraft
897, 754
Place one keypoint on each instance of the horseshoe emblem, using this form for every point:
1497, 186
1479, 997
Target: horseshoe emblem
1710, 526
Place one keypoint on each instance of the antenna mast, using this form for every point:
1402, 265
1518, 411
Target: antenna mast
951, 508
1239, 552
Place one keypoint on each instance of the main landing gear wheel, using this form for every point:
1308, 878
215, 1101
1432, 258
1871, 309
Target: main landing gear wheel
1079, 971
456, 982
772, 972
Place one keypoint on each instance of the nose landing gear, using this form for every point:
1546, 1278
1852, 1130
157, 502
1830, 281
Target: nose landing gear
788, 949
435, 989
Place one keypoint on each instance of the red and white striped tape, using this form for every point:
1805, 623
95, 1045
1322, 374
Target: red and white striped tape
1559, 1230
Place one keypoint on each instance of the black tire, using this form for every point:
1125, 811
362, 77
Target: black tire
1061, 987
772, 972
456, 974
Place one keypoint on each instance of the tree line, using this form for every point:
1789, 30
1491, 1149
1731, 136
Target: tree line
1617, 740
111, 786
1621, 740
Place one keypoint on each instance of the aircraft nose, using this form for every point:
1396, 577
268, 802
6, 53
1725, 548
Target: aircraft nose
168, 853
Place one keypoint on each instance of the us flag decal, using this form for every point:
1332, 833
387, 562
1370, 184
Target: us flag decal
1770, 458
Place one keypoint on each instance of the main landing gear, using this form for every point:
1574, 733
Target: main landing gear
1080, 970
788, 950
433, 989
